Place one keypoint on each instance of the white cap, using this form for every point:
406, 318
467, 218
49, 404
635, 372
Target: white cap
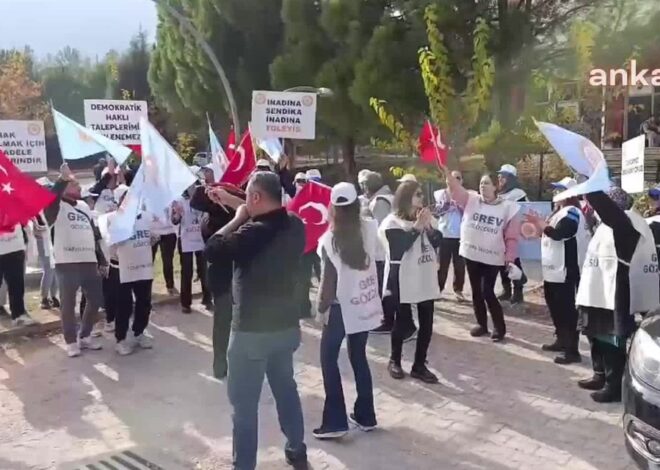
343, 194
300, 176
264, 162
565, 183
119, 192
363, 176
313, 174
408, 177
87, 192
510, 169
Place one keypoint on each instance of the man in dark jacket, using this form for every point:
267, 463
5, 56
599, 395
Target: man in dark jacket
265, 244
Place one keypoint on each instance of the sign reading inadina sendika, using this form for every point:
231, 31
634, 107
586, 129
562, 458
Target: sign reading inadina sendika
117, 120
286, 115
24, 142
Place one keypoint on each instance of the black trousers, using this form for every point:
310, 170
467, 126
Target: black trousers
140, 308
167, 244
482, 279
222, 314
609, 361
448, 253
402, 328
187, 276
307, 265
12, 272
506, 282
560, 298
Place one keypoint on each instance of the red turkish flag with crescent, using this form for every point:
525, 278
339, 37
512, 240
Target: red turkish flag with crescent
21, 198
242, 163
311, 205
431, 147
231, 144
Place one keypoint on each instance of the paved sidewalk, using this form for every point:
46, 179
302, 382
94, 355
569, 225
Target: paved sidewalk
498, 407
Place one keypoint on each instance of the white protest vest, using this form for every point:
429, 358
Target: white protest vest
106, 202
598, 279
380, 249
482, 230
135, 256
74, 236
191, 229
162, 223
357, 291
515, 195
553, 256
12, 242
418, 270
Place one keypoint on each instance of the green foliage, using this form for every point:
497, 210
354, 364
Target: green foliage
186, 146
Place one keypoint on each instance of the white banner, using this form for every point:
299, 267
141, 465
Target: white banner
24, 142
285, 115
632, 165
118, 120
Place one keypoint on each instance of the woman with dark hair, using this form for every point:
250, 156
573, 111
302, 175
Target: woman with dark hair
619, 278
350, 307
489, 242
411, 273
563, 247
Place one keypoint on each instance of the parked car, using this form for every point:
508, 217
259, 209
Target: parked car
641, 396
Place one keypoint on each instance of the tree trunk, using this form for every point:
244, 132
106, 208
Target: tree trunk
348, 154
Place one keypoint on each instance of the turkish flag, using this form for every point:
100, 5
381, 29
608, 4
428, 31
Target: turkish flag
231, 144
137, 149
431, 147
311, 205
21, 198
242, 163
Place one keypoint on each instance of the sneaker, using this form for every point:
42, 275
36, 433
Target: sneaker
383, 329
553, 347
23, 320
395, 370
144, 341
606, 395
73, 350
362, 427
45, 304
424, 374
478, 331
172, 291
568, 358
597, 382
298, 462
55, 302
497, 337
90, 343
208, 305
109, 327
459, 297
324, 434
97, 332
124, 347
517, 297
410, 336
186, 310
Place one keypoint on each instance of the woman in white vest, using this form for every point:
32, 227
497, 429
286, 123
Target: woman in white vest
349, 304
411, 271
163, 227
79, 261
619, 278
12, 272
191, 246
563, 248
131, 275
489, 243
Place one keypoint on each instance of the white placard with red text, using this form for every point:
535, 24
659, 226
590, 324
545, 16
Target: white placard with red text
285, 115
24, 142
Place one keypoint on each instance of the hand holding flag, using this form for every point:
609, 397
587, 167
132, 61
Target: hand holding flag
273, 147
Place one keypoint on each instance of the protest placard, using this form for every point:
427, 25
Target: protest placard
24, 142
632, 165
285, 115
118, 120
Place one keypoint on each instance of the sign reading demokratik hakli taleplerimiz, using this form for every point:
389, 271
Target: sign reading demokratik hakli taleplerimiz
285, 115
632, 165
24, 142
117, 120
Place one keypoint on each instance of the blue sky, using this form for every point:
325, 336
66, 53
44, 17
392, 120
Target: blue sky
93, 26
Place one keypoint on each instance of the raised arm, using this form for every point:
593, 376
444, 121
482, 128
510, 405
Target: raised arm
456, 190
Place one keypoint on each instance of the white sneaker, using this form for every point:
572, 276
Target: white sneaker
144, 341
73, 350
109, 327
125, 347
90, 343
23, 320
97, 332
173, 291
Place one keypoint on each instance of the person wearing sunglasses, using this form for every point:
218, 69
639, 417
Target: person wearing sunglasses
410, 238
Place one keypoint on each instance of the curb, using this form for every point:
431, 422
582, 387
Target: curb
42, 329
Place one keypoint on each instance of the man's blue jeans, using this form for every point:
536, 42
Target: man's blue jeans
334, 410
250, 357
